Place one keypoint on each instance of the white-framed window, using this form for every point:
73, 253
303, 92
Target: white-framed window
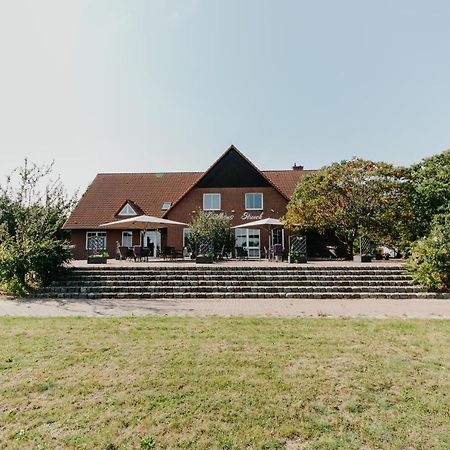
127, 239
166, 206
254, 200
278, 237
186, 233
211, 202
96, 240
127, 210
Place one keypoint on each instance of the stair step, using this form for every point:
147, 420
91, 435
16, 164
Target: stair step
314, 295
236, 282
238, 289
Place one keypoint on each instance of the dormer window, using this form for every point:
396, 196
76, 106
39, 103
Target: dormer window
127, 210
166, 206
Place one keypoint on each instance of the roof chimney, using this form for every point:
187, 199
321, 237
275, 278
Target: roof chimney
295, 167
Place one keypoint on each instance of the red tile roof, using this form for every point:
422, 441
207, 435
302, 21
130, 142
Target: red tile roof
109, 191
286, 180
148, 191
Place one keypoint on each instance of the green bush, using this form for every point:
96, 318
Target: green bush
26, 259
210, 229
429, 262
33, 209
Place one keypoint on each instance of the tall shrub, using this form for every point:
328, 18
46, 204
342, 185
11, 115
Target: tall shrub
431, 191
429, 262
33, 208
211, 229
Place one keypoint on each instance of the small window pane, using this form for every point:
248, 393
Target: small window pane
127, 239
254, 200
211, 202
127, 210
186, 234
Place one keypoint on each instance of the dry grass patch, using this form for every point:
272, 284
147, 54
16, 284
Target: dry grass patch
205, 383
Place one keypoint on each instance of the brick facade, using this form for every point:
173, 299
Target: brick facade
231, 176
233, 205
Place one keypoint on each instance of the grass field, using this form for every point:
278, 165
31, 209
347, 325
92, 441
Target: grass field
212, 383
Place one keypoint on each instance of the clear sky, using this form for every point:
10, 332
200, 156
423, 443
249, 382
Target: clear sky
154, 86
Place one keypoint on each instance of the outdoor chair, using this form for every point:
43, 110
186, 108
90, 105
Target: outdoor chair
278, 252
241, 253
145, 252
123, 253
167, 252
331, 251
220, 255
137, 252
178, 254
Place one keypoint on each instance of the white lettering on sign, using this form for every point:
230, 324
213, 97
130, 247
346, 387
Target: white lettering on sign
248, 216
225, 215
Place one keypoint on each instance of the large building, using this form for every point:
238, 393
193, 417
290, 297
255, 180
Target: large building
232, 185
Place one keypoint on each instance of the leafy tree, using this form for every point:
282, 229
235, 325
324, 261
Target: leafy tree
354, 198
33, 208
430, 190
429, 262
212, 229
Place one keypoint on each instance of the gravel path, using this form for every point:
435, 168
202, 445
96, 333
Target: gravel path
376, 308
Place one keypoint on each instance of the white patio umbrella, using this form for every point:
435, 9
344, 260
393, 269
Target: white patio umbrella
268, 224
141, 223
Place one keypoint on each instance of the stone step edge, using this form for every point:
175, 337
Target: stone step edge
330, 295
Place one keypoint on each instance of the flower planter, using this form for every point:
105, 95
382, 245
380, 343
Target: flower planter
298, 259
362, 258
202, 259
97, 260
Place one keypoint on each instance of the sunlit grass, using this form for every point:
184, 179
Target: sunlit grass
209, 383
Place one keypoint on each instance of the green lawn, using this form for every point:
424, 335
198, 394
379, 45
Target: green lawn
212, 383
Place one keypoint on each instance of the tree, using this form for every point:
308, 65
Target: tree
430, 192
354, 198
429, 262
209, 228
33, 208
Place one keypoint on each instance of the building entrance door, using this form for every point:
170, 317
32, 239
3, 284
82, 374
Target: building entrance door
151, 240
250, 239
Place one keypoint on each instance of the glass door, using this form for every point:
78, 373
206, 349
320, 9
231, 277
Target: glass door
151, 240
278, 237
250, 239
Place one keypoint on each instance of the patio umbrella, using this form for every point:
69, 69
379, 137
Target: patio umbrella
142, 223
268, 224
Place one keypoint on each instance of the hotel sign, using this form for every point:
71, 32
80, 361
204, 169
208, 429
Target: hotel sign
248, 216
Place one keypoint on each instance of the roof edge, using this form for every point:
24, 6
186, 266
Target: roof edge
230, 148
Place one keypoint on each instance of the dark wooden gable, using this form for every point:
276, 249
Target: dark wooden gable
232, 170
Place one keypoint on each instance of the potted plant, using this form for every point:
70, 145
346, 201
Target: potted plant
362, 258
204, 258
296, 257
98, 258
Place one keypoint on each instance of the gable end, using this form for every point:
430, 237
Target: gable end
233, 170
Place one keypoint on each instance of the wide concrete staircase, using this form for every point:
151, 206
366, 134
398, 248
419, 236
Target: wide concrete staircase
222, 281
